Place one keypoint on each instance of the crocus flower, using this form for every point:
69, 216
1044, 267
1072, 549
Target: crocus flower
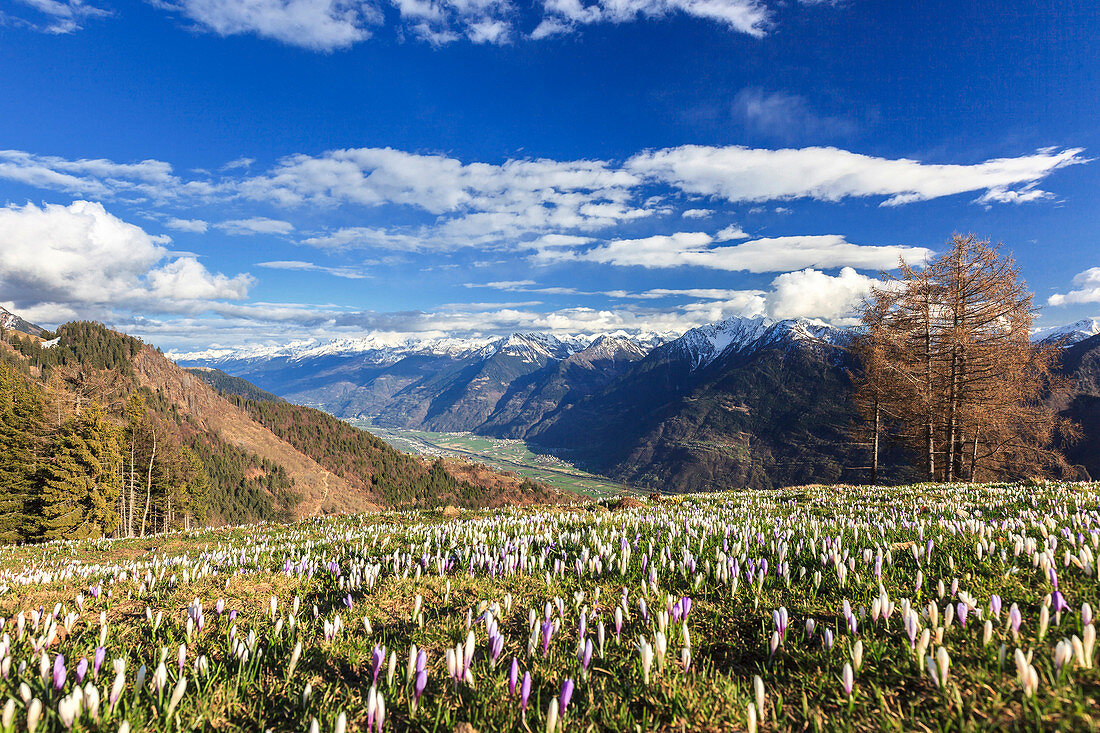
566, 696
58, 672
513, 677
81, 670
847, 679
525, 691
97, 660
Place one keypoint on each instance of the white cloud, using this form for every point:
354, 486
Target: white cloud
811, 293
300, 266
733, 231
786, 117
697, 213
197, 226
255, 225
1086, 289
740, 174
743, 16
63, 16
772, 254
146, 179
81, 259
318, 25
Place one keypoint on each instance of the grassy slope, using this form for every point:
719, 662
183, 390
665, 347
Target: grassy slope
730, 626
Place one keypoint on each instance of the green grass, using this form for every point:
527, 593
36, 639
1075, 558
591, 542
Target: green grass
386, 560
505, 455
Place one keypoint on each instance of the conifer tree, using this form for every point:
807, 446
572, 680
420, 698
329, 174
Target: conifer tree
947, 357
81, 480
20, 434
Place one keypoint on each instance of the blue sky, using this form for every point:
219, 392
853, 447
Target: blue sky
222, 172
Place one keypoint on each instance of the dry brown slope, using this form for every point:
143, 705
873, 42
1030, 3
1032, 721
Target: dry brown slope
322, 491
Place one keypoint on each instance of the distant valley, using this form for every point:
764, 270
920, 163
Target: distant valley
744, 402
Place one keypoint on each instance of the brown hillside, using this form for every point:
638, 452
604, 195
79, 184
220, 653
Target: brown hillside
322, 491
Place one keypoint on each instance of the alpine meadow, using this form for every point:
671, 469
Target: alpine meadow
549, 367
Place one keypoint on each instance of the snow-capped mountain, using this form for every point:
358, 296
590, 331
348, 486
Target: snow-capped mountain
705, 344
389, 349
10, 321
1069, 334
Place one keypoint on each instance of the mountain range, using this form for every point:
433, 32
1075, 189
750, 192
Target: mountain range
744, 402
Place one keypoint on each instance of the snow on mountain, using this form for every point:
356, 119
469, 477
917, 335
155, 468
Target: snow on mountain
10, 321
705, 344
1069, 334
386, 349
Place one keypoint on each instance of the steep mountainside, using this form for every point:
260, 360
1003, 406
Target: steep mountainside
534, 397
1081, 363
227, 384
321, 490
746, 402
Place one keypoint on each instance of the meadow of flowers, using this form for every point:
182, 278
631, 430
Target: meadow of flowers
823, 608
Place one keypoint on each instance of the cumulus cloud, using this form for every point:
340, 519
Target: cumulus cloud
741, 174
733, 231
697, 213
1086, 289
524, 202
771, 254
82, 259
811, 293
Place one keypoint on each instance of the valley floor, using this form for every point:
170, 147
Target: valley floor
503, 455
924, 607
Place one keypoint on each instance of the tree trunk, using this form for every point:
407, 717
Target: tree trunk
874, 449
149, 483
130, 511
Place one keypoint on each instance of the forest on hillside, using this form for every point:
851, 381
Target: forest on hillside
86, 452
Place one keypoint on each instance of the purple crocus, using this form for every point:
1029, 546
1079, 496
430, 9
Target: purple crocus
97, 660
525, 691
377, 657
1059, 602
58, 672
995, 605
566, 695
513, 677
81, 670
586, 656
961, 611
220, 606
347, 600
421, 683
547, 631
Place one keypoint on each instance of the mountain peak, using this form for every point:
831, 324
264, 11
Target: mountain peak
1069, 334
9, 320
740, 333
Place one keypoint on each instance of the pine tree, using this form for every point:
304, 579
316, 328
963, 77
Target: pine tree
20, 435
81, 480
